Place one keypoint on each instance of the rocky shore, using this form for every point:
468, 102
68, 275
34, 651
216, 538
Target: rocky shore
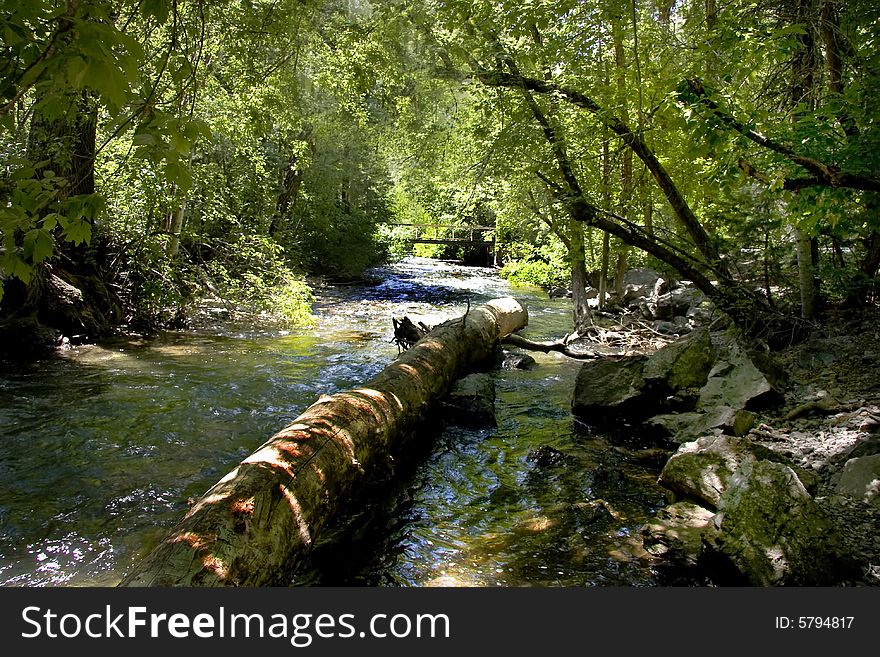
774, 466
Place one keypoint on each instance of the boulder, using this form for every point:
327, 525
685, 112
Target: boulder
471, 402
676, 533
608, 389
860, 479
640, 283
770, 528
641, 277
670, 425
681, 365
735, 381
677, 302
702, 469
514, 361
641, 387
685, 427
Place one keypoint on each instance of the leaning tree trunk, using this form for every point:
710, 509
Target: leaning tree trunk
258, 522
581, 315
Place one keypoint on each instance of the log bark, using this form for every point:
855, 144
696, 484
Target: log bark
254, 526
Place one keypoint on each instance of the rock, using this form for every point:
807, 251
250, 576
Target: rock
866, 447
25, 338
639, 388
514, 361
685, 427
681, 365
770, 528
548, 457
666, 328
705, 313
607, 390
676, 533
702, 469
860, 479
669, 425
819, 352
641, 277
557, 292
640, 283
736, 382
471, 402
677, 302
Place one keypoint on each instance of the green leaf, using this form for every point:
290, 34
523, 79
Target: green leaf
180, 144
108, 81
51, 220
178, 174
14, 265
77, 230
38, 245
158, 9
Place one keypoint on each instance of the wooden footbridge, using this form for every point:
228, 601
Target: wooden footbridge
449, 234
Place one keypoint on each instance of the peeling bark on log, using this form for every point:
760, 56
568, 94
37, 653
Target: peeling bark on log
258, 522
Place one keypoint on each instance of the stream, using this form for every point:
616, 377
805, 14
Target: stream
102, 447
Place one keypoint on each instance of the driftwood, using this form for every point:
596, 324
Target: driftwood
259, 522
547, 347
407, 333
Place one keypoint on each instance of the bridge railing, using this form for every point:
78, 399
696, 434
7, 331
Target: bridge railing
451, 233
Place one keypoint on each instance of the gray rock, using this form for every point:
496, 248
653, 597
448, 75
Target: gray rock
676, 533
677, 302
736, 382
471, 402
770, 528
639, 387
666, 328
640, 283
681, 365
685, 427
669, 425
865, 447
702, 469
514, 361
607, 389
860, 479
641, 276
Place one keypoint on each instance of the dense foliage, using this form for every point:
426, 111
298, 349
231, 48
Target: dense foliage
178, 148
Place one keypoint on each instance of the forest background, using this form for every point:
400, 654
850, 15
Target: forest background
154, 152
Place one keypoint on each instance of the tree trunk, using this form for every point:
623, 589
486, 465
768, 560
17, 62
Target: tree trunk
258, 522
603, 274
583, 318
619, 272
175, 229
66, 146
805, 274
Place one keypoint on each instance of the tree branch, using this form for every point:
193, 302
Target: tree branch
633, 140
823, 174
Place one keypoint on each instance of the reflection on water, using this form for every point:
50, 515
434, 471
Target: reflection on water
102, 447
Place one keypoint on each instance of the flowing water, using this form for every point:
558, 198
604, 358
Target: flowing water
102, 447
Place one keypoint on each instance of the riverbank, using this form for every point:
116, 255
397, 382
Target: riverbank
780, 484
830, 425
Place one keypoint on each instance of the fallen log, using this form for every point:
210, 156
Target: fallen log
254, 526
